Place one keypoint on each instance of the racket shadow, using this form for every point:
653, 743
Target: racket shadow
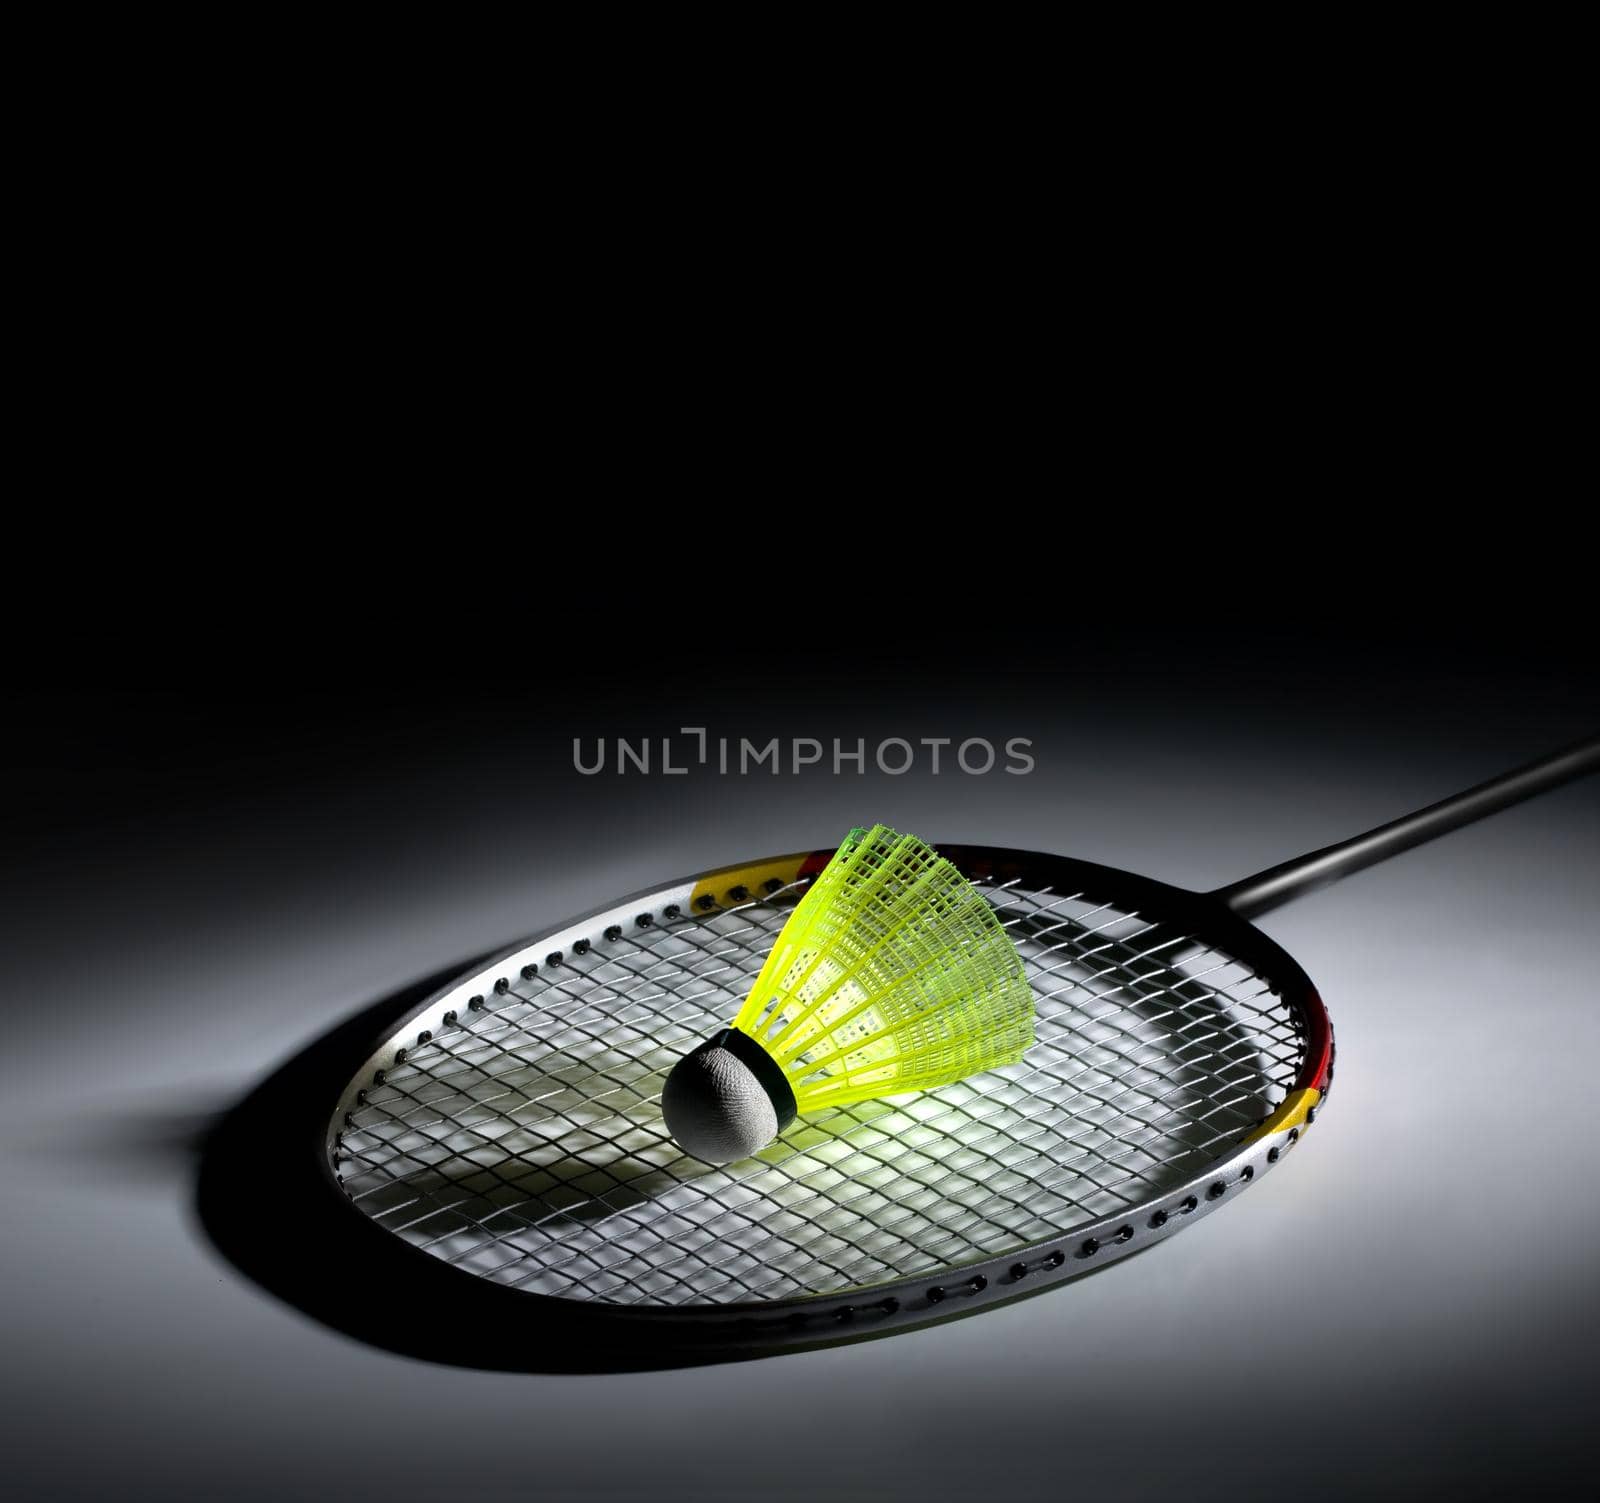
266, 1201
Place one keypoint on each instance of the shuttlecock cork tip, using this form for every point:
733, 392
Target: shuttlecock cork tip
727, 1099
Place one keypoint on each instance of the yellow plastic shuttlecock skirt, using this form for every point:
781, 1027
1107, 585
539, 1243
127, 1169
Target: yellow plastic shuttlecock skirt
892, 974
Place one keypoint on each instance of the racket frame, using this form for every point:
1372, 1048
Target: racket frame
755, 1327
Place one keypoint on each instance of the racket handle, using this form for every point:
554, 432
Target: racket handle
1289, 879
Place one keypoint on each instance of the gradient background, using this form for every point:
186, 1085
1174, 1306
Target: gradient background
198, 882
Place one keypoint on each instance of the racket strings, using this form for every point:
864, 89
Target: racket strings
413, 1124
525, 1144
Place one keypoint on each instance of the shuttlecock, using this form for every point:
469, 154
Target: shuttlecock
892, 974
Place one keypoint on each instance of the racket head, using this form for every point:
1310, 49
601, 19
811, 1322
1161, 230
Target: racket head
496, 1150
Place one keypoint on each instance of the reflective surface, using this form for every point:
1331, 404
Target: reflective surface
1408, 1308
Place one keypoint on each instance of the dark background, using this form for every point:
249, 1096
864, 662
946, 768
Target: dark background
211, 858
